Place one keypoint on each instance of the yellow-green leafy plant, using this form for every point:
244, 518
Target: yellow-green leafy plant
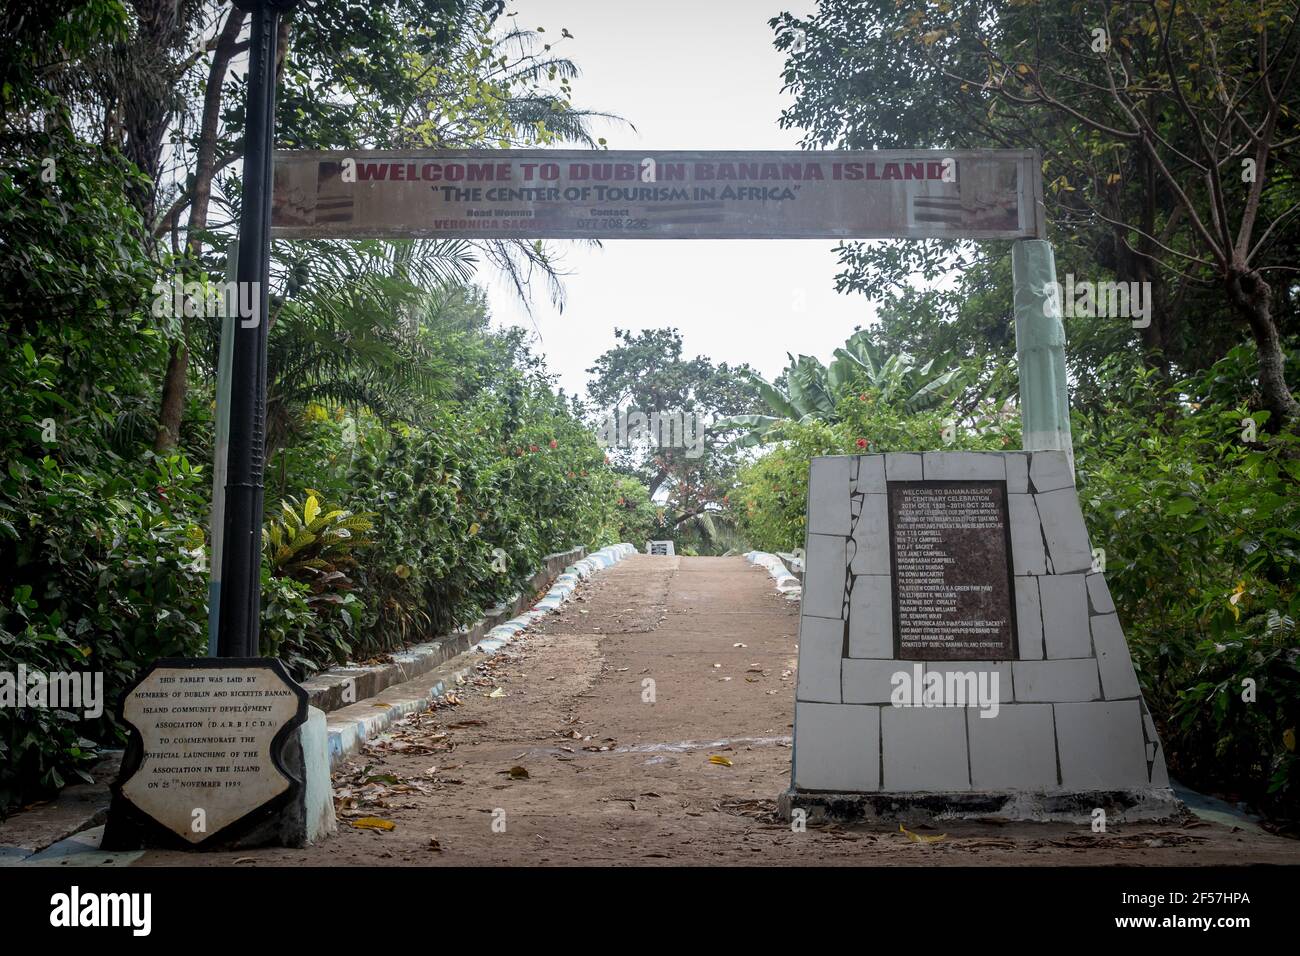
309, 541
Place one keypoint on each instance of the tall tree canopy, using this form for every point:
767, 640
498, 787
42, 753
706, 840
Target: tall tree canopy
1167, 130
647, 372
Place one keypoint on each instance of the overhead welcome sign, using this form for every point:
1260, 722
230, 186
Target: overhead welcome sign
585, 194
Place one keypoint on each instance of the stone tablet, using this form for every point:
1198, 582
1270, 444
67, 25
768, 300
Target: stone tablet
950, 551
206, 742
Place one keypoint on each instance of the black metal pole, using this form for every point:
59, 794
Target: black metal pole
241, 564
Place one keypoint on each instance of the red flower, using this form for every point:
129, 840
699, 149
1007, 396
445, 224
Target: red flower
863, 443
862, 397
554, 443
532, 448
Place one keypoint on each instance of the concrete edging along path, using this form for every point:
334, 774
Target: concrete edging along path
349, 727
786, 582
341, 686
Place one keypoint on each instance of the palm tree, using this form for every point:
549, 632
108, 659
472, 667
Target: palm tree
518, 89
350, 327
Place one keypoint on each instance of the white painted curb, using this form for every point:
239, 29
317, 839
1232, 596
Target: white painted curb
786, 582
560, 591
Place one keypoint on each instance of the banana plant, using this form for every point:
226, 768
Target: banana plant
813, 389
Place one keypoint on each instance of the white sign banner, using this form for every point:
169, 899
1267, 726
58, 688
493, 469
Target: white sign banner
583, 194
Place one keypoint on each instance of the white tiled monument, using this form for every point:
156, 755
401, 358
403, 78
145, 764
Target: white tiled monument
958, 654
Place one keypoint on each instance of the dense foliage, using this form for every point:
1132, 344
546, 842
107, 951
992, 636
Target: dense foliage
1146, 114
1200, 522
419, 464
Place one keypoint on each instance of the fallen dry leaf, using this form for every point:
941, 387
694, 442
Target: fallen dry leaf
374, 823
920, 837
720, 760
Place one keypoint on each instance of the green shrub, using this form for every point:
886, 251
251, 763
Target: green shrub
113, 577
466, 507
1201, 531
770, 503
101, 562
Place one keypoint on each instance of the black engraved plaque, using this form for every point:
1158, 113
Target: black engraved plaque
950, 552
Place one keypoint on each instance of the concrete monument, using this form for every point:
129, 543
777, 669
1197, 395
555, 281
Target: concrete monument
959, 653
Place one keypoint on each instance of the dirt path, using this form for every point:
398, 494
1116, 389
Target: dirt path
614, 777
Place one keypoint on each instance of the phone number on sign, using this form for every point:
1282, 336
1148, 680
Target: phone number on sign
630, 225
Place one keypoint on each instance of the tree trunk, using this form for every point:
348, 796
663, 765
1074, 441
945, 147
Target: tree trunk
150, 99
1253, 297
172, 409
175, 381
656, 481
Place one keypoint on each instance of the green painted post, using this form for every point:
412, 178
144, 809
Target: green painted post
225, 356
1040, 349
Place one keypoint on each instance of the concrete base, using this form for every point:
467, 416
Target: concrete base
1070, 721
318, 793
309, 818
1121, 806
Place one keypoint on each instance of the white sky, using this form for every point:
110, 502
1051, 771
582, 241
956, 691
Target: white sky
689, 74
